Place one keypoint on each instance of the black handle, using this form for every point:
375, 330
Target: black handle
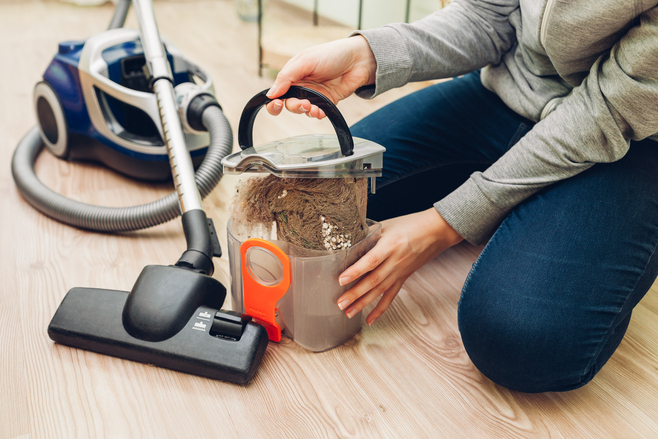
246, 127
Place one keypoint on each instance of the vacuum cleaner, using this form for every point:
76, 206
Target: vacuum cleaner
124, 99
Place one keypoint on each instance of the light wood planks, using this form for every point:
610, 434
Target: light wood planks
406, 377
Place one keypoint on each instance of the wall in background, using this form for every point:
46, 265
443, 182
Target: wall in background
375, 12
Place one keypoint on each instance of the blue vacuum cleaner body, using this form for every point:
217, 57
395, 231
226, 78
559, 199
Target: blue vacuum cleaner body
95, 103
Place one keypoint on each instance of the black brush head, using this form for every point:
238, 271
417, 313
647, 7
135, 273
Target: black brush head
91, 319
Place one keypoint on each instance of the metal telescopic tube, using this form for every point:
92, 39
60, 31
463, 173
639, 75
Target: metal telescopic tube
154, 52
182, 169
181, 164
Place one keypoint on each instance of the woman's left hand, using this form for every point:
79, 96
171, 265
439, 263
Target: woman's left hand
406, 244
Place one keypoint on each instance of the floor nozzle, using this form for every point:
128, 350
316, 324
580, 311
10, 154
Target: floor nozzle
90, 319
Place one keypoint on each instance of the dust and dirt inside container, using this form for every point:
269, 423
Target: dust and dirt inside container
307, 313
314, 213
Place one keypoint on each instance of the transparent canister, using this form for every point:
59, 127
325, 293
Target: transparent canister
307, 312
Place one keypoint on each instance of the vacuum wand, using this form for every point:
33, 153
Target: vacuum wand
162, 82
182, 169
199, 253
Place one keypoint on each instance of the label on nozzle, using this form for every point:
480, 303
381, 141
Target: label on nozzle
200, 326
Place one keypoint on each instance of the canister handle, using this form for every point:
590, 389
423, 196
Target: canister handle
245, 129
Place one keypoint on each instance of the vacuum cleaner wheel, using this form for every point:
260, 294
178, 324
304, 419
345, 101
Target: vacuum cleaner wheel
51, 121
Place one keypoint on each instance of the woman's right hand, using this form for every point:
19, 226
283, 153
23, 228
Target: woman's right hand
336, 69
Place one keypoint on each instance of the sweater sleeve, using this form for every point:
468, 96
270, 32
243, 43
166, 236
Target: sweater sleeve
464, 36
615, 103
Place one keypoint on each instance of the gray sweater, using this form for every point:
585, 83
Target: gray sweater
585, 70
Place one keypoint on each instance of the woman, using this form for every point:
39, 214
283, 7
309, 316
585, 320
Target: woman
555, 133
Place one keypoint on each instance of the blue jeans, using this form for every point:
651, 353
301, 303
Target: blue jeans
551, 295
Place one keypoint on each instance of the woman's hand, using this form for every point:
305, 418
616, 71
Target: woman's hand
335, 69
406, 244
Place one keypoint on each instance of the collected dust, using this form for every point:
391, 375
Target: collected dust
314, 213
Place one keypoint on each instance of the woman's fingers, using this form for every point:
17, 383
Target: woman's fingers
384, 302
298, 106
303, 106
275, 107
295, 106
363, 293
292, 72
376, 269
367, 263
316, 112
292, 104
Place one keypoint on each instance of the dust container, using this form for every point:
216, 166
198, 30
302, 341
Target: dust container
307, 311
294, 230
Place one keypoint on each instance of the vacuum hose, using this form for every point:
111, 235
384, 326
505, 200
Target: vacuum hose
120, 14
118, 219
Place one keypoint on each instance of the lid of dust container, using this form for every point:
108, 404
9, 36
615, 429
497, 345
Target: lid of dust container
309, 156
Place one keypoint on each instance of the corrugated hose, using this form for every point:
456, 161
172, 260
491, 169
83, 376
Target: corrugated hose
118, 219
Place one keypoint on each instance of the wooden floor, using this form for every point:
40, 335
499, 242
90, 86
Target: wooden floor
406, 377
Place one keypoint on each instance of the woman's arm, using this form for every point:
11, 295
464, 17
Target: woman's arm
617, 102
464, 36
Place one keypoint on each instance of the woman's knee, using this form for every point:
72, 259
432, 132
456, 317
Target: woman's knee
519, 345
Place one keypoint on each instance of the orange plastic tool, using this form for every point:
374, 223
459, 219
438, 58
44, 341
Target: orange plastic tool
265, 279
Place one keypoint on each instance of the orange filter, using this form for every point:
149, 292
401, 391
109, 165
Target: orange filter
265, 279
